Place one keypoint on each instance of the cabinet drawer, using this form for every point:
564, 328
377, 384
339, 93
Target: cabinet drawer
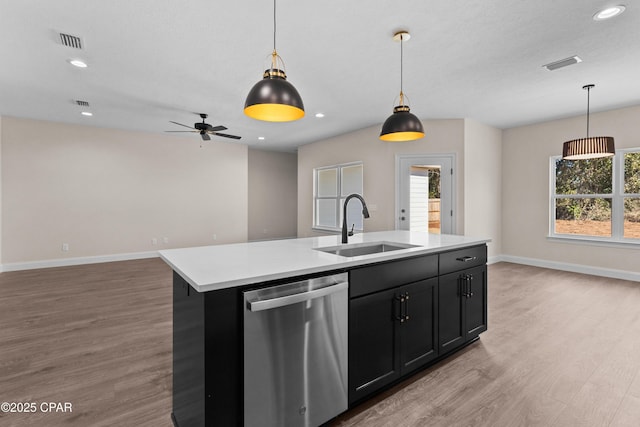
388, 275
463, 258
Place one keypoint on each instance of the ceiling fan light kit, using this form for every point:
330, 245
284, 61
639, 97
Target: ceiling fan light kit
274, 99
589, 147
401, 125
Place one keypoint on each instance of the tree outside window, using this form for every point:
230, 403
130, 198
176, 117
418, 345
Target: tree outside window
597, 198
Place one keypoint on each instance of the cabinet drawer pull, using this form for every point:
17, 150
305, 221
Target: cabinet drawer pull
467, 258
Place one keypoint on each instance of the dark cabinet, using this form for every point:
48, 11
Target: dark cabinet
462, 297
391, 331
373, 353
418, 332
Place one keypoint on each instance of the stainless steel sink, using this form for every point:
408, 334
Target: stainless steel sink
358, 249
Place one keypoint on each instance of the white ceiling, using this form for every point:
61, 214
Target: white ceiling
152, 61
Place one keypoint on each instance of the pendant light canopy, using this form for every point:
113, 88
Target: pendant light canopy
401, 125
589, 147
274, 99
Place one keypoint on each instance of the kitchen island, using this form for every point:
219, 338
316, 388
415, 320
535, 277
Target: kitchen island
416, 299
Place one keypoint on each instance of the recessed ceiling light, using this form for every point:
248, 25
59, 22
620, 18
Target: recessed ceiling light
609, 12
261, 138
87, 113
78, 63
319, 115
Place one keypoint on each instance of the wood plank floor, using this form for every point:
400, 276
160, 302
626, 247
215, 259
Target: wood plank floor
562, 349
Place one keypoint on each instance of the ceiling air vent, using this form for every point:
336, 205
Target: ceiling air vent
562, 63
82, 103
71, 41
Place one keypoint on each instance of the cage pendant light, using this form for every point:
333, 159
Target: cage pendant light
274, 99
401, 125
589, 147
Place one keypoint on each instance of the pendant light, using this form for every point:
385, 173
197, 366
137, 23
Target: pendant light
589, 147
401, 125
274, 99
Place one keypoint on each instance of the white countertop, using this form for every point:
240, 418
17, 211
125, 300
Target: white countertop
209, 268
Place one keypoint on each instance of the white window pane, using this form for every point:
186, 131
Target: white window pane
632, 218
327, 183
632, 173
326, 213
586, 217
351, 180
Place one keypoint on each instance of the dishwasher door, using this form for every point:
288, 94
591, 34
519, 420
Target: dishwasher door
295, 353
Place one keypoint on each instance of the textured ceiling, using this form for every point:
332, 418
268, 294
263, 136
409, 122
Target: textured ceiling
152, 61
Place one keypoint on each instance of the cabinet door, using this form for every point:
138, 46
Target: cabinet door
476, 302
373, 353
450, 311
418, 333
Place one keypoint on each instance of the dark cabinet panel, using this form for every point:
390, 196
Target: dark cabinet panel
450, 312
476, 302
391, 274
391, 333
373, 356
462, 259
419, 332
462, 307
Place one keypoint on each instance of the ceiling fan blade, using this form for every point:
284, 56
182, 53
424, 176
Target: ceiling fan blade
217, 128
180, 124
205, 136
186, 131
226, 135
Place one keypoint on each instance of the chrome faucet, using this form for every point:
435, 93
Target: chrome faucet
365, 213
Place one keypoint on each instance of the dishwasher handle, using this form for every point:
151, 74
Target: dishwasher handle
296, 298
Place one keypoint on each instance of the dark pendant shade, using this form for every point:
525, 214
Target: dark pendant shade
274, 99
401, 126
588, 148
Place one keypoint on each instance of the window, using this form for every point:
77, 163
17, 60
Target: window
596, 199
331, 186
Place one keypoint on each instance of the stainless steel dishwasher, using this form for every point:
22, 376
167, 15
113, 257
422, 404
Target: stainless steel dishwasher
295, 353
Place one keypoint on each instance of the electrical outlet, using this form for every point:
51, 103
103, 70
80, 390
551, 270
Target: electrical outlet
165, 239
154, 241
65, 247
215, 237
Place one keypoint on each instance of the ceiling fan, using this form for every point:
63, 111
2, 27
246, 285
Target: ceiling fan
204, 129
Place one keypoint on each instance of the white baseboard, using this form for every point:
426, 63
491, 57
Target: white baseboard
574, 268
64, 262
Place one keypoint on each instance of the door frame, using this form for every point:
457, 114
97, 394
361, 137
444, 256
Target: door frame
428, 158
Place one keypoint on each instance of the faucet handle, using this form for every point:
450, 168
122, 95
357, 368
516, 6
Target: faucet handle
351, 231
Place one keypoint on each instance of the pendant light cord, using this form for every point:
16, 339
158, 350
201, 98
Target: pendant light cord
274, 54
401, 61
274, 25
588, 99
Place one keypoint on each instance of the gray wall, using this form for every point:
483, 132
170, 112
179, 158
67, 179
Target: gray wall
273, 194
106, 191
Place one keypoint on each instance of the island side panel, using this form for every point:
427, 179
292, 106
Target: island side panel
188, 355
207, 356
224, 357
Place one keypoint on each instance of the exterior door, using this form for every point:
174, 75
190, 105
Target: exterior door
425, 193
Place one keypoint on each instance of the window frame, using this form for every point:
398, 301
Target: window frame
617, 197
339, 197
